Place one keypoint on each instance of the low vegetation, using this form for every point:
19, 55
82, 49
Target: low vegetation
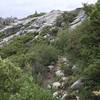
17, 85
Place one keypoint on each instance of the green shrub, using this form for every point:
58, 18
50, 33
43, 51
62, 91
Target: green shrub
31, 91
19, 60
45, 30
9, 78
61, 41
17, 85
1, 36
93, 71
17, 46
88, 8
42, 55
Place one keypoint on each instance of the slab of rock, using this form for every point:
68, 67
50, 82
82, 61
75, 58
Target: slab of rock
64, 79
51, 67
78, 20
56, 94
77, 85
30, 25
59, 73
64, 96
56, 85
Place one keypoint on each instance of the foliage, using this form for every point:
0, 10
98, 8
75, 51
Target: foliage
16, 46
9, 79
88, 8
16, 85
32, 56
95, 15
31, 91
1, 36
61, 41
51, 31
93, 71
42, 55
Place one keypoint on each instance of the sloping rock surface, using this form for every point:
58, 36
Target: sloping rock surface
28, 25
78, 20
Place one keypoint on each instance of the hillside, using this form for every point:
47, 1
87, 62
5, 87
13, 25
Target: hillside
51, 56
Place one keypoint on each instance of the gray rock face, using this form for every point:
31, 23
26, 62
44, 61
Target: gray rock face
35, 24
56, 85
38, 23
6, 21
16, 26
32, 25
45, 20
9, 30
78, 20
64, 96
77, 85
59, 73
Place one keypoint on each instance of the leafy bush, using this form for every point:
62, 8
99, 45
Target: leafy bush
31, 91
1, 36
88, 8
42, 55
93, 71
45, 30
32, 56
9, 78
61, 40
16, 46
16, 85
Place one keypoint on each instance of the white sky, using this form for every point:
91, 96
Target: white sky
22, 8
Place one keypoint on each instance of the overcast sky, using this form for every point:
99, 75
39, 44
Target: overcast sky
22, 8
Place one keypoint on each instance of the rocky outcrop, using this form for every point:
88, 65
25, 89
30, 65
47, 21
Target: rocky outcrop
59, 73
9, 30
77, 85
6, 21
78, 20
35, 24
48, 19
15, 27
56, 85
29, 25
62, 85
